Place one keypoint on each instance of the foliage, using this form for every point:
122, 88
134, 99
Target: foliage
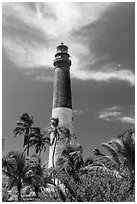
123, 148
94, 187
59, 137
98, 178
33, 173
71, 160
24, 127
5, 195
22, 171
39, 140
12, 166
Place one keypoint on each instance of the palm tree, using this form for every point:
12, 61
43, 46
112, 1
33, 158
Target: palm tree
38, 140
24, 126
123, 150
59, 133
108, 165
112, 162
71, 160
12, 166
88, 161
35, 174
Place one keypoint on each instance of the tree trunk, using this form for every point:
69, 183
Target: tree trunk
28, 132
19, 192
53, 155
37, 192
28, 150
39, 153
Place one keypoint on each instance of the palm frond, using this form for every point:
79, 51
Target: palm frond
36, 131
97, 152
46, 140
67, 149
63, 163
104, 170
44, 166
79, 148
6, 173
113, 152
21, 124
27, 118
19, 159
54, 122
13, 182
117, 144
9, 165
33, 141
18, 131
129, 145
88, 161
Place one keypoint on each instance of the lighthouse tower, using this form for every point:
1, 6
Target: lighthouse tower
62, 101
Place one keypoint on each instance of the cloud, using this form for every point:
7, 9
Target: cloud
55, 19
108, 115
31, 31
78, 112
112, 74
118, 113
127, 120
44, 79
27, 55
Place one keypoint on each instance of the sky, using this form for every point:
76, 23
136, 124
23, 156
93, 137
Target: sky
101, 42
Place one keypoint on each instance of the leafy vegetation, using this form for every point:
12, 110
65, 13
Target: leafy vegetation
98, 178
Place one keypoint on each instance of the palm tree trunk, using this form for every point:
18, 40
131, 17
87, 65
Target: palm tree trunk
19, 192
28, 133
28, 149
53, 155
37, 192
39, 152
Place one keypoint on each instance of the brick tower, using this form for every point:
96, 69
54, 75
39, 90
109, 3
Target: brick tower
62, 100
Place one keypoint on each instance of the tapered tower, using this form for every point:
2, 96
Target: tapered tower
62, 100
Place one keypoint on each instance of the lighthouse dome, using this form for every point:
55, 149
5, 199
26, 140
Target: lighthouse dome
62, 48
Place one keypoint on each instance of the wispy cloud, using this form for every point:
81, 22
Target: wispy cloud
78, 112
109, 75
105, 115
118, 113
56, 22
44, 79
127, 120
27, 55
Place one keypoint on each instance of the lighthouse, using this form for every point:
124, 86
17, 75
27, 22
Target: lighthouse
62, 99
